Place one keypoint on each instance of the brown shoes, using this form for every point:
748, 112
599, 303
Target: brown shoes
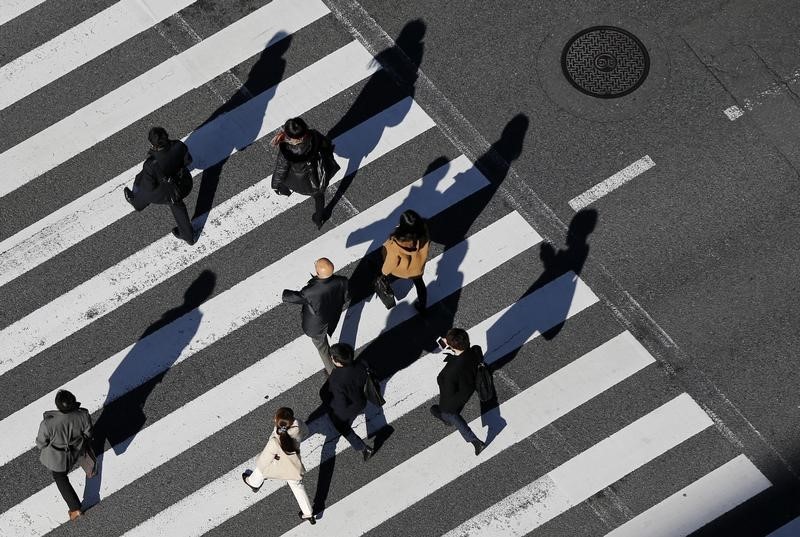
75, 514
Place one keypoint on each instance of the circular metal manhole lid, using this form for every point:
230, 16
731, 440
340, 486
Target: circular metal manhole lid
605, 62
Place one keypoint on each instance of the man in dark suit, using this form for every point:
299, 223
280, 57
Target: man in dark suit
165, 179
343, 395
457, 384
323, 299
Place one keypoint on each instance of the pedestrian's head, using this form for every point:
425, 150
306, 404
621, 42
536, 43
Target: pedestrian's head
324, 267
457, 339
66, 402
284, 419
412, 227
342, 353
158, 137
295, 128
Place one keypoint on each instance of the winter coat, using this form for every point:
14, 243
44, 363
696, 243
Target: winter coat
323, 300
457, 379
296, 165
343, 393
150, 185
405, 259
63, 437
274, 463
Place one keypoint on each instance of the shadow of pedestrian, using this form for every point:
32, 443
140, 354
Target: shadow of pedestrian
237, 123
123, 414
383, 89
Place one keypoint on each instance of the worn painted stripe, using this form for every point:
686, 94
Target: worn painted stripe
450, 458
245, 301
11, 9
81, 44
699, 503
209, 144
167, 256
612, 183
586, 474
150, 91
511, 327
271, 376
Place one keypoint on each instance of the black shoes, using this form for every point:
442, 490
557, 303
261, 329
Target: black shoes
479, 446
129, 197
254, 489
368, 453
311, 520
177, 234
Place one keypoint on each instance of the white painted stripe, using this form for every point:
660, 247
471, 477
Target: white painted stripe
81, 44
244, 302
733, 113
223, 498
150, 91
282, 369
448, 459
209, 144
166, 257
11, 9
586, 474
612, 183
791, 529
699, 503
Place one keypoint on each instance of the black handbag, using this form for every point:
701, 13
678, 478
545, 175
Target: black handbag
372, 389
484, 382
385, 291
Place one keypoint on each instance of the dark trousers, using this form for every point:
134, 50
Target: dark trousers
457, 421
66, 490
179, 212
319, 205
419, 284
345, 428
324, 350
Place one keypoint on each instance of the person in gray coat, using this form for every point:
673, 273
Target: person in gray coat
63, 438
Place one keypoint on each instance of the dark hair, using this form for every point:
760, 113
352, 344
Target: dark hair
158, 137
412, 227
295, 127
66, 402
458, 339
284, 419
342, 353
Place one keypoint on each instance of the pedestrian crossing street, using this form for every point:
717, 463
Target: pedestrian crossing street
183, 397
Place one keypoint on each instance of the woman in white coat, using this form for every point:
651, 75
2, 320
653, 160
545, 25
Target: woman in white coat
280, 459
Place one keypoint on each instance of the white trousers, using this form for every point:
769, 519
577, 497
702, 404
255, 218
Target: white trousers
257, 478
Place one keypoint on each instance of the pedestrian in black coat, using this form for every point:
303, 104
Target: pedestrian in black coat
343, 395
165, 179
323, 298
297, 168
457, 383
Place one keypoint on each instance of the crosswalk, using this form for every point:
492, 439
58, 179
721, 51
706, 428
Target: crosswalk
204, 388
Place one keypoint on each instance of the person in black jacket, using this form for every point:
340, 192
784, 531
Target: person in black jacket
300, 150
323, 299
457, 384
164, 179
343, 395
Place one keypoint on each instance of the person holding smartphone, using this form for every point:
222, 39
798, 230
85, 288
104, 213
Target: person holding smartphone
457, 383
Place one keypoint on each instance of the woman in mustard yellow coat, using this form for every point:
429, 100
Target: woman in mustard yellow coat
406, 252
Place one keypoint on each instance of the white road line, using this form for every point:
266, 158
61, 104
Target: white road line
185, 427
150, 91
209, 144
81, 44
244, 302
11, 9
511, 327
166, 257
699, 503
450, 458
733, 113
586, 474
612, 183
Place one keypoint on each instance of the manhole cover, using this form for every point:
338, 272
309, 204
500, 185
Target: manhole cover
605, 62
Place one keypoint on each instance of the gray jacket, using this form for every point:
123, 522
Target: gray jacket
63, 438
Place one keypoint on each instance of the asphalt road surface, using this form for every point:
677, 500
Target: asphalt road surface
612, 197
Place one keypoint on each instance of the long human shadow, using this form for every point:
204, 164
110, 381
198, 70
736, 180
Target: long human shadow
123, 417
212, 145
381, 90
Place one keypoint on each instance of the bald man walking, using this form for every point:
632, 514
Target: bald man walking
323, 299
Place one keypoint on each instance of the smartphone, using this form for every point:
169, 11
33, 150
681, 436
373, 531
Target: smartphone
442, 343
